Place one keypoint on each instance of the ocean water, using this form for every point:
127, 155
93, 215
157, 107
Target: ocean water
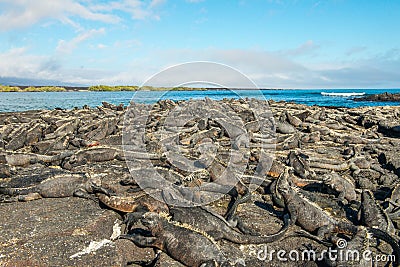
18, 101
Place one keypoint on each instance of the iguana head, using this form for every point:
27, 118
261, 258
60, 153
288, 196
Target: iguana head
284, 185
326, 178
153, 221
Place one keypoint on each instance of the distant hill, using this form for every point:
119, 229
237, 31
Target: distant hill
16, 81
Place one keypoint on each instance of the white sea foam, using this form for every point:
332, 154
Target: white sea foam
342, 94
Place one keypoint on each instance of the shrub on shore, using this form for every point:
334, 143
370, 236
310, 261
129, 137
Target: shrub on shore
135, 88
113, 88
44, 89
6, 88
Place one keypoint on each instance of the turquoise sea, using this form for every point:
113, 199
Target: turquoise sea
17, 101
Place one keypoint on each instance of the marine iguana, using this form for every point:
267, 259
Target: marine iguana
135, 205
60, 185
189, 246
295, 121
312, 218
392, 203
215, 225
344, 186
24, 159
93, 154
371, 214
360, 243
341, 184
300, 165
140, 201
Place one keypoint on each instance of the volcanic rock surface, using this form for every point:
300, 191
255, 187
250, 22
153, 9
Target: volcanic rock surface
359, 145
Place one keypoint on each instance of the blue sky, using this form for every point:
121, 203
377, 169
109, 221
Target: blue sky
278, 44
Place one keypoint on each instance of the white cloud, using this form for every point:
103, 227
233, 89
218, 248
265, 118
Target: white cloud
68, 46
25, 13
248, 61
16, 62
275, 70
155, 3
20, 62
138, 9
267, 69
101, 46
257, 60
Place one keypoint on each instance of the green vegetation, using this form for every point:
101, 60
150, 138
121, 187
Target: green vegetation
135, 88
44, 89
113, 88
6, 88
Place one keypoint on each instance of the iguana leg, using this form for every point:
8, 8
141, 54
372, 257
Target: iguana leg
134, 189
141, 241
82, 193
127, 181
216, 235
323, 230
29, 197
293, 212
132, 218
100, 189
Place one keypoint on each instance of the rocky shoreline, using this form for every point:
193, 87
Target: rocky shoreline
385, 97
64, 175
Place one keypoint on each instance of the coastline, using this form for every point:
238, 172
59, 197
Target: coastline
128, 88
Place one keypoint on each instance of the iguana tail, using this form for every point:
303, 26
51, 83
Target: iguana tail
239, 200
302, 233
333, 167
17, 191
251, 239
390, 240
